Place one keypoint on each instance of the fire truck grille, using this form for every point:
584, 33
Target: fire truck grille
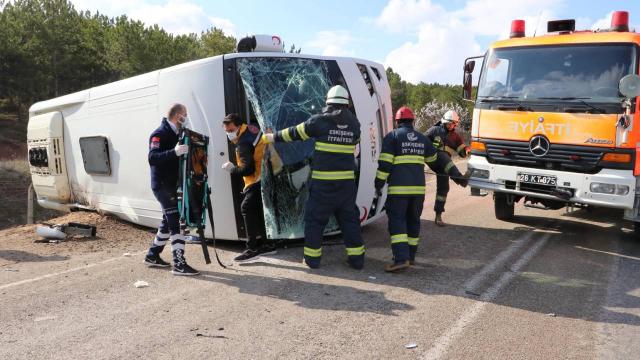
582, 159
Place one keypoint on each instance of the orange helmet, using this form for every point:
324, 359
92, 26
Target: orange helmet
404, 113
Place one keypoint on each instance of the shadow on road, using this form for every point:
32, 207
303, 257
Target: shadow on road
23, 256
568, 278
310, 295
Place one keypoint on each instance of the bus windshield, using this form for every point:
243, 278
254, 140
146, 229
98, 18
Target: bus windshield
573, 72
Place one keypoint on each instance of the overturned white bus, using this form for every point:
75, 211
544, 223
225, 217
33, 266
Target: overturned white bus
88, 150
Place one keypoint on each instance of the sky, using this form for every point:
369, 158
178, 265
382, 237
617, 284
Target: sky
422, 40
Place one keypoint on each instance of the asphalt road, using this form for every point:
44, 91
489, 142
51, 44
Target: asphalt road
550, 284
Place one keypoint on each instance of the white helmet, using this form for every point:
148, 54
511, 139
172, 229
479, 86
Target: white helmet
338, 95
450, 117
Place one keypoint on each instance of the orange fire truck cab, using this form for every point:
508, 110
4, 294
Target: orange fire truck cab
557, 119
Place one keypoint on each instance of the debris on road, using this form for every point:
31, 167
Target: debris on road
468, 292
551, 314
62, 231
411, 346
12, 270
126, 254
44, 318
141, 284
372, 277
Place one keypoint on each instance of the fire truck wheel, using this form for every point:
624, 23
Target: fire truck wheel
503, 206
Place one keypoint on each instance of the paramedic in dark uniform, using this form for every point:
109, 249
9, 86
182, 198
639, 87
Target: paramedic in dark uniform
448, 142
401, 164
333, 191
164, 152
249, 153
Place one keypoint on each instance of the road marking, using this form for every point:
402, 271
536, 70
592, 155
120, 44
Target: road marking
26, 281
475, 281
442, 344
609, 253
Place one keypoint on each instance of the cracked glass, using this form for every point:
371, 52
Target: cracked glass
284, 92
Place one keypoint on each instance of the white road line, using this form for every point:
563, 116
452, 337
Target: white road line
473, 283
26, 281
442, 344
608, 253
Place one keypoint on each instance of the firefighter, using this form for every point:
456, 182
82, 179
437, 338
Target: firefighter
164, 152
448, 142
336, 132
401, 165
249, 152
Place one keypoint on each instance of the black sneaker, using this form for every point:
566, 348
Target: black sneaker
267, 250
248, 255
155, 261
183, 269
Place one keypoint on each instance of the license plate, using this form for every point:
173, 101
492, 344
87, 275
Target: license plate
537, 179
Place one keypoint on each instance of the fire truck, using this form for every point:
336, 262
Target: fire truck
556, 120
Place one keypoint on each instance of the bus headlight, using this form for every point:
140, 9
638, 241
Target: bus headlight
611, 189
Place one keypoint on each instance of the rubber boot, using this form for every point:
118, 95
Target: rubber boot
439, 221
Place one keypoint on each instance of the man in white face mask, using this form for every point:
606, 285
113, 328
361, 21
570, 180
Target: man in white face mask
249, 152
164, 154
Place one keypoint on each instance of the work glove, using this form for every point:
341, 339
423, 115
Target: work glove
268, 138
181, 149
464, 152
228, 167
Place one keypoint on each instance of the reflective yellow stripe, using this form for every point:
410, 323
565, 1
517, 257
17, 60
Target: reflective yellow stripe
406, 190
382, 175
312, 252
355, 251
386, 157
431, 158
285, 135
399, 238
333, 175
448, 167
409, 159
335, 148
441, 197
413, 241
301, 132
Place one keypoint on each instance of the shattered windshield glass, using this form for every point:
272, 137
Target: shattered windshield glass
284, 92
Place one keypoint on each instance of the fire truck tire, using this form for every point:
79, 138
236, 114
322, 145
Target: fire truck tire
503, 206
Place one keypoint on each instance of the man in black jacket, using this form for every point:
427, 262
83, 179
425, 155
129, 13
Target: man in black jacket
164, 153
249, 153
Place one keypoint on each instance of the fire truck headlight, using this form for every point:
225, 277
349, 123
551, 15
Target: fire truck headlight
602, 188
479, 173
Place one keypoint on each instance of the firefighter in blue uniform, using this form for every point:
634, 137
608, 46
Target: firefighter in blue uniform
164, 152
401, 164
448, 142
333, 188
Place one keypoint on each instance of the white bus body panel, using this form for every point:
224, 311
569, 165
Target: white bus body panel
127, 111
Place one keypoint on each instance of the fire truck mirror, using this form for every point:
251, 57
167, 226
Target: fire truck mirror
630, 86
469, 66
467, 85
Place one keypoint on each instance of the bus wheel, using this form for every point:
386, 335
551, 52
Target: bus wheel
503, 205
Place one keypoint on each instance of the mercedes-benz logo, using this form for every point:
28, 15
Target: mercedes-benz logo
539, 146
